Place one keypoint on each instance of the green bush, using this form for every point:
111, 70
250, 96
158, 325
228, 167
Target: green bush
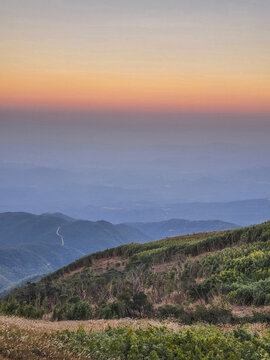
12, 307
74, 309
166, 311
9, 307
30, 311
113, 310
214, 314
163, 344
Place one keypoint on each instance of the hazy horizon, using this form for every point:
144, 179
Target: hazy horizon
110, 105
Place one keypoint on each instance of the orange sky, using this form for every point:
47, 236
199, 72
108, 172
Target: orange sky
193, 59
116, 90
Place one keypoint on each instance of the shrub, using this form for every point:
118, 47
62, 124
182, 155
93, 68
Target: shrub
73, 310
113, 310
175, 311
214, 314
11, 307
30, 311
163, 344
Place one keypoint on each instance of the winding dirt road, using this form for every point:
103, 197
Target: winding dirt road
60, 236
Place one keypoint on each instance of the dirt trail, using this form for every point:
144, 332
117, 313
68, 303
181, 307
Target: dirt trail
60, 236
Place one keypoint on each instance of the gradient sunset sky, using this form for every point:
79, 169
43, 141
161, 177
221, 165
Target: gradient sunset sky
145, 55
111, 101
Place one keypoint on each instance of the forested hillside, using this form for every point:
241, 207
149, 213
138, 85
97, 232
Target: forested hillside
184, 277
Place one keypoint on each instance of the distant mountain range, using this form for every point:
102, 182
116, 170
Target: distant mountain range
219, 181
242, 212
33, 245
176, 227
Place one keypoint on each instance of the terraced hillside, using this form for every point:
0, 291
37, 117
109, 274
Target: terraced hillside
182, 277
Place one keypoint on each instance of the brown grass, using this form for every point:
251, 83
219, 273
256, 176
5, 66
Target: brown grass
73, 272
162, 267
20, 344
44, 326
23, 339
100, 266
242, 311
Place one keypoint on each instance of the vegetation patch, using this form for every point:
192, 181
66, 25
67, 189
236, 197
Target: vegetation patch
193, 343
179, 277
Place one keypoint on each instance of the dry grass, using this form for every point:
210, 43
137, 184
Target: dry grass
23, 339
73, 272
162, 267
43, 326
242, 311
100, 266
19, 344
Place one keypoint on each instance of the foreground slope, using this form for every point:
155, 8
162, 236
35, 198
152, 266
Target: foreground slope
140, 339
153, 279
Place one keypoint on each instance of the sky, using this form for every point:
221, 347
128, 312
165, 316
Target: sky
105, 103
151, 55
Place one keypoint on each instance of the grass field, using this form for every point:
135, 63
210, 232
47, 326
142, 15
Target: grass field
24, 339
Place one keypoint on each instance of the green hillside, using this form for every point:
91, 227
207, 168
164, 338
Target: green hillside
32, 245
184, 277
20, 262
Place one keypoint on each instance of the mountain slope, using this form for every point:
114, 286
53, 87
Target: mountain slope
175, 227
22, 261
32, 244
154, 278
22, 228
